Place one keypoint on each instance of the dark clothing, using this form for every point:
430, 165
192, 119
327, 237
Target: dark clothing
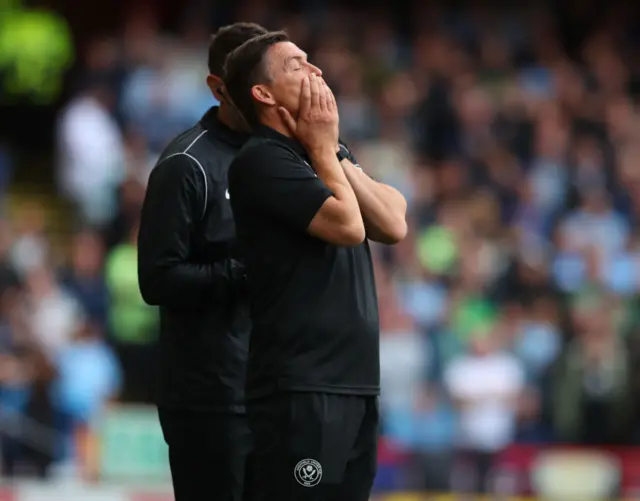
92, 293
207, 453
19, 454
186, 266
8, 277
313, 447
314, 305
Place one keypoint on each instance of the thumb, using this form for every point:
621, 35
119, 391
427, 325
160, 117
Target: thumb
288, 119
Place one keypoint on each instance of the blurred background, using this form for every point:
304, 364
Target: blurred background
510, 315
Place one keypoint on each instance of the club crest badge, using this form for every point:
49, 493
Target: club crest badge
308, 472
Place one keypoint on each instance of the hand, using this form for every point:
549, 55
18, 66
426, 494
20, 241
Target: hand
317, 125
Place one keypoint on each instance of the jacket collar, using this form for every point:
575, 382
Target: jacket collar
211, 122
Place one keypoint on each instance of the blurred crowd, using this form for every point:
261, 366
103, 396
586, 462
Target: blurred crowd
510, 313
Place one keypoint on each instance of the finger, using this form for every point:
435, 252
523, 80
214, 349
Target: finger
331, 101
324, 94
287, 119
305, 96
329, 94
315, 92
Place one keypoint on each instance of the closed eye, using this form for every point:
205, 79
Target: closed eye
294, 63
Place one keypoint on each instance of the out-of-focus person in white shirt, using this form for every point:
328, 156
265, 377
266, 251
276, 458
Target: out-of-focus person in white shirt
91, 150
486, 384
53, 314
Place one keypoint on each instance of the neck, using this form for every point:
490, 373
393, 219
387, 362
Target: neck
230, 118
274, 121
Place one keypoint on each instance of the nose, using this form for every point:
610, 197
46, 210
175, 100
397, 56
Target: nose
315, 69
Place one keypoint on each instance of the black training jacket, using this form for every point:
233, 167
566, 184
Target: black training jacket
186, 266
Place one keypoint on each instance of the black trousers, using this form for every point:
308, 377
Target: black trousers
207, 454
313, 447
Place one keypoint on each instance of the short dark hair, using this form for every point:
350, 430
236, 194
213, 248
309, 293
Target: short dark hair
245, 68
226, 40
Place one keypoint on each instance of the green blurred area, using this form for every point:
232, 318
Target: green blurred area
36, 49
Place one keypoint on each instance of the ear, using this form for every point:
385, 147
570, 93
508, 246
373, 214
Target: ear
262, 94
215, 83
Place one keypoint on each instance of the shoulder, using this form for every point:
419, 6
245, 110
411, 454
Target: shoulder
185, 141
259, 149
188, 144
263, 156
179, 159
176, 169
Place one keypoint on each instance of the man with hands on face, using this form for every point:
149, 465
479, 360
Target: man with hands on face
303, 213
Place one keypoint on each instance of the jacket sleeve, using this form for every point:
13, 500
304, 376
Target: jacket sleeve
174, 204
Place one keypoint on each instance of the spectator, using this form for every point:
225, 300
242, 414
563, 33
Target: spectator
92, 153
486, 385
130, 197
28, 442
53, 314
595, 222
428, 429
40, 414
538, 339
88, 378
133, 323
591, 385
85, 280
548, 172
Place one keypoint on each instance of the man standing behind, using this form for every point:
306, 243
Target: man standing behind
303, 211
186, 266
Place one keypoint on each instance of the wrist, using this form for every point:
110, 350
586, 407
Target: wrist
322, 152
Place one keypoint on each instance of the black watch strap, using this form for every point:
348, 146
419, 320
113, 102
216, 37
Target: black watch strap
342, 153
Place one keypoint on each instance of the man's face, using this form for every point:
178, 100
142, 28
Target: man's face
287, 66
